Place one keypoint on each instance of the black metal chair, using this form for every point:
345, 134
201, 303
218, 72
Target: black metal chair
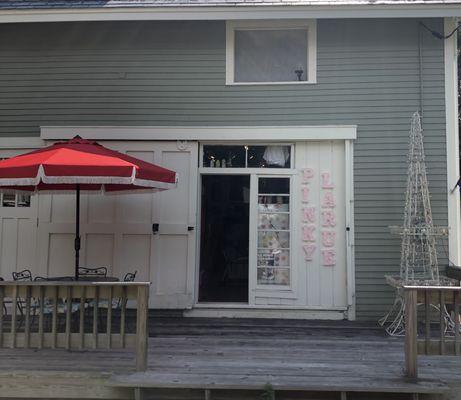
24, 275
130, 276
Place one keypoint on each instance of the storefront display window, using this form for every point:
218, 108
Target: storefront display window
247, 156
273, 245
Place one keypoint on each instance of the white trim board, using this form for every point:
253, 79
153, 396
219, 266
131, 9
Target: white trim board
237, 12
237, 311
213, 133
452, 137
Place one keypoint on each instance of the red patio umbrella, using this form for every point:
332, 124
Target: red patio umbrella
80, 164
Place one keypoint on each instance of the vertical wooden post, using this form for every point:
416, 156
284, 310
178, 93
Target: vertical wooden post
142, 328
109, 318
427, 320
442, 322
14, 312
68, 316
456, 316
27, 321
54, 320
411, 345
123, 316
40, 316
95, 317
81, 321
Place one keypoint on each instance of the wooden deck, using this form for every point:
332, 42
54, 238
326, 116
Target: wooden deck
241, 359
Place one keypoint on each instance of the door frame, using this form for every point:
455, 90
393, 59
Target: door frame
350, 312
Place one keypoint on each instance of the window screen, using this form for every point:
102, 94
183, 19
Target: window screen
270, 55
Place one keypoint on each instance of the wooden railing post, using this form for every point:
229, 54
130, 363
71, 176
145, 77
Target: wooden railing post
411, 345
142, 328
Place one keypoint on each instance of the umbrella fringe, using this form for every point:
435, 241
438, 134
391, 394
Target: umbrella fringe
101, 180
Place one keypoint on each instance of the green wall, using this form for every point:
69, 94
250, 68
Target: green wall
173, 73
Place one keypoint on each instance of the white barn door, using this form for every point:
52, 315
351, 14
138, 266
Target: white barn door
298, 250
322, 245
18, 228
117, 230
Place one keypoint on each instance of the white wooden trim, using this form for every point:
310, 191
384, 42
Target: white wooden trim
311, 63
31, 142
350, 235
453, 173
331, 10
223, 310
203, 133
279, 291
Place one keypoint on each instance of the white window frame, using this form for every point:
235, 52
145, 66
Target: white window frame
283, 290
311, 62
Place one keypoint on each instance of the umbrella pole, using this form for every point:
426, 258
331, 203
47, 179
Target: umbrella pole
77, 232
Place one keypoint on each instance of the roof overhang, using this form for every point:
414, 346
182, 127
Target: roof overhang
238, 12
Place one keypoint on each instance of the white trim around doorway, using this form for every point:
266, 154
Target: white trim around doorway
237, 310
203, 133
452, 142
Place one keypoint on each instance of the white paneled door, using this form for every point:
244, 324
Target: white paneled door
153, 234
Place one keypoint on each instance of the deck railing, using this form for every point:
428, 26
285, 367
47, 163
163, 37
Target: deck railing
434, 327
74, 315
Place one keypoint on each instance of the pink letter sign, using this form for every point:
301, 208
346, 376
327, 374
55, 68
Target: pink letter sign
328, 200
326, 181
328, 219
328, 238
309, 214
329, 257
309, 250
308, 233
308, 174
305, 192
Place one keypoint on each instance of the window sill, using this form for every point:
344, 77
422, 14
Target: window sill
270, 83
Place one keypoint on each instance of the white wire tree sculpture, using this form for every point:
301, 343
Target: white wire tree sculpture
418, 261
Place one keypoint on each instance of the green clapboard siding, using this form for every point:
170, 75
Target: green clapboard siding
173, 73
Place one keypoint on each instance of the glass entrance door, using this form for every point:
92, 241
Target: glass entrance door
273, 232
224, 238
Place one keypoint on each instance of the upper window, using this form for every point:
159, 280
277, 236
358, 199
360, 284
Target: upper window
265, 52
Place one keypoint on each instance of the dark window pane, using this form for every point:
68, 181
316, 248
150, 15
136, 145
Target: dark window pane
23, 200
224, 156
273, 203
9, 200
274, 185
269, 156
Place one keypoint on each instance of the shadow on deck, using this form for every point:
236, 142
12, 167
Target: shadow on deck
197, 358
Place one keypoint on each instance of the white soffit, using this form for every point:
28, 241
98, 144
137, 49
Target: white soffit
232, 13
204, 133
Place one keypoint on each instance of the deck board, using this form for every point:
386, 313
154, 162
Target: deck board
186, 353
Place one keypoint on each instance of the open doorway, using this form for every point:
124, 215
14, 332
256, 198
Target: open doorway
224, 238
